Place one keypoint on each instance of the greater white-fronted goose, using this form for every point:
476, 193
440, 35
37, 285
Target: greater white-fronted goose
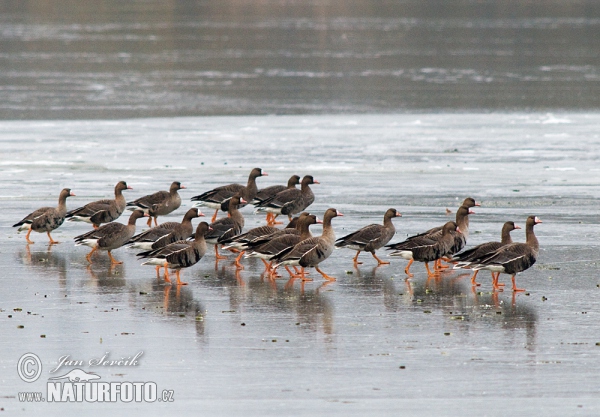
311, 252
46, 219
462, 219
425, 248
260, 234
109, 237
216, 197
465, 258
270, 192
514, 257
460, 239
160, 203
226, 227
282, 242
180, 254
290, 201
169, 232
101, 211
371, 237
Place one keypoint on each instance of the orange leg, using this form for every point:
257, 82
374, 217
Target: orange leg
214, 217
155, 222
379, 261
292, 275
273, 273
473, 282
437, 265
179, 281
269, 219
149, 222
429, 273
27, 237
274, 221
407, 269
355, 260
217, 253
237, 260
495, 282
301, 274
113, 261
327, 277
514, 288
158, 271
167, 279
52, 241
267, 265
89, 255
96, 226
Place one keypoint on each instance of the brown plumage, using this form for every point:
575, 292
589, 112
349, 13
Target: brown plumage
226, 227
279, 243
290, 201
514, 257
46, 219
270, 192
160, 203
311, 252
462, 221
180, 254
101, 211
166, 233
371, 237
426, 248
109, 237
467, 257
217, 196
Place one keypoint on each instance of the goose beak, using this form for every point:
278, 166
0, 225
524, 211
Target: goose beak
316, 182
338, 213
243, 201
458, 229
264, 174
537, 220
183, 187
471, 212
517, 226
398, 214
200, 214
72, 194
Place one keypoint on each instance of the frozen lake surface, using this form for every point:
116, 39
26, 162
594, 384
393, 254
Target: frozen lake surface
110, 59
371, 343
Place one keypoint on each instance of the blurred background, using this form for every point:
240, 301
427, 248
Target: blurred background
65, 59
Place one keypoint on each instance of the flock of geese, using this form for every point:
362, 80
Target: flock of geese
175, 246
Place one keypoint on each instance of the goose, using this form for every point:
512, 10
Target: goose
216, 197
371, 237
160, 203
109, 237
46, 219
180, 254
466, 257
101, 211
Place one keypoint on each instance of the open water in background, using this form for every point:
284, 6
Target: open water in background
358, 94
113, 59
